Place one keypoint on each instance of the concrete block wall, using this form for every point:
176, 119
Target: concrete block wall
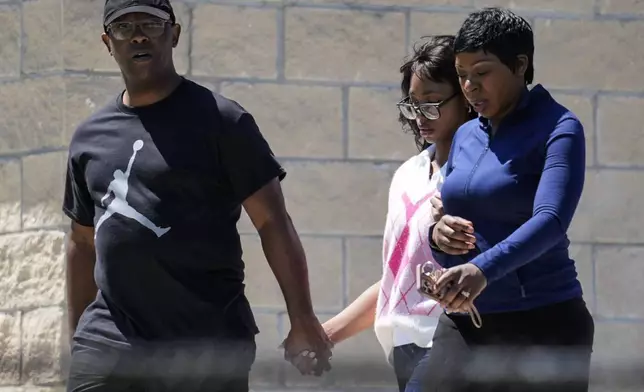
321, 77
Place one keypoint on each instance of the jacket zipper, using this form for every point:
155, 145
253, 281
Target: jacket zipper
467, 188
476, 166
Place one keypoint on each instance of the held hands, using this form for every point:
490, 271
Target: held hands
307, 346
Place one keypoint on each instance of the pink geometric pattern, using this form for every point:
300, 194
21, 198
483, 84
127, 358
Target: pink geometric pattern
410, 248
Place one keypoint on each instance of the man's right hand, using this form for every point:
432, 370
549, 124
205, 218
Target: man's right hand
454, 235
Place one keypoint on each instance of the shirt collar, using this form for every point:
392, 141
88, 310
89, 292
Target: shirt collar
536, 93
431, 150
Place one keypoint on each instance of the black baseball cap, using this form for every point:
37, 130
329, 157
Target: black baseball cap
117, 8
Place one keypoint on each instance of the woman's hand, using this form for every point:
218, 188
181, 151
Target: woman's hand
453, 235
437, 207
462, 284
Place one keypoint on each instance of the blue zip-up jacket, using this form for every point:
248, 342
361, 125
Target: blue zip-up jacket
520, 189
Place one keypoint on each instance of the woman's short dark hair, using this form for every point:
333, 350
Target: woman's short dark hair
432, 58
500, 32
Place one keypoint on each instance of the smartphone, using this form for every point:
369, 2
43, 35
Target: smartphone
426, 277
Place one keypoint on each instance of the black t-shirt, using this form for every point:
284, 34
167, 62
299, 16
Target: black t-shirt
163, 186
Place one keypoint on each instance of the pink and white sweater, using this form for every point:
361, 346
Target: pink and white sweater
403, 315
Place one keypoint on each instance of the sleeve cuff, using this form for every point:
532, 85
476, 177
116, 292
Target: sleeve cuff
432, 244
490, 273
278, 172
88, 222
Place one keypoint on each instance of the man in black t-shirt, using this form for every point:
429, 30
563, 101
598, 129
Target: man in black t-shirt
156, 181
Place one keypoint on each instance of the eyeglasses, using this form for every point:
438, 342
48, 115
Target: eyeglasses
431, 111
125, 30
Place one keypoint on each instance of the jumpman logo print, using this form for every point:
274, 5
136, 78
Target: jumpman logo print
118, 188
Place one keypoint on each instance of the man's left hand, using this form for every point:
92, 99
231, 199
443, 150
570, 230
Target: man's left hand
464, 283
307, 346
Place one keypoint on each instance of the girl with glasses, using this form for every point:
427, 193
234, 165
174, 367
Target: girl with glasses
432, 109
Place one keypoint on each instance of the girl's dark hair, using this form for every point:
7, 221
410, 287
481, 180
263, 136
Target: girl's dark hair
432, 58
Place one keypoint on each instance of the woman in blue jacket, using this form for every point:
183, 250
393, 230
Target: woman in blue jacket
514, 179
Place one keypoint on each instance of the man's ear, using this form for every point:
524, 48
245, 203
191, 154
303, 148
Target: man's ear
176, 33
106, 41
